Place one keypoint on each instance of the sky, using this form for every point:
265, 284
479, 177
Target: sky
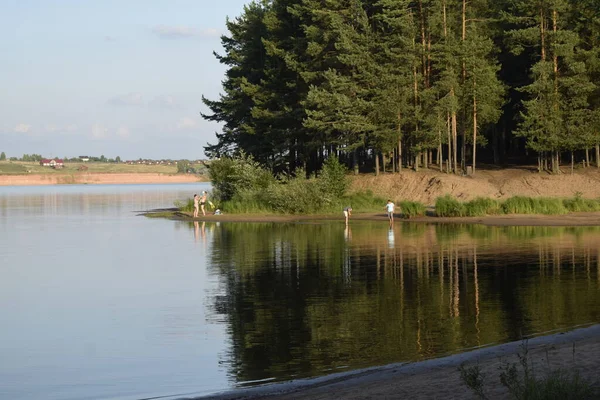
110, 77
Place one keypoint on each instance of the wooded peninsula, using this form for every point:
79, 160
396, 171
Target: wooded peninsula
389, 84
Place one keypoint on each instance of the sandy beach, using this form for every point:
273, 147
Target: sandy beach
577, 350
572, 219
94, 178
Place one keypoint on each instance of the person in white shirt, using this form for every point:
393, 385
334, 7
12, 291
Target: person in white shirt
390, 210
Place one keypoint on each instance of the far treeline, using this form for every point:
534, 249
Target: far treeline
388, 84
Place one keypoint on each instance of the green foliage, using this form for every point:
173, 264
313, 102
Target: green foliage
579, 204
448, 206
232, 176
183, 167
530, 205
333, 179
186, 206
474, 379
412, 209
481, 206
362, 202
2, 156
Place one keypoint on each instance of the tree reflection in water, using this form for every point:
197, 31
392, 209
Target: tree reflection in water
305, 299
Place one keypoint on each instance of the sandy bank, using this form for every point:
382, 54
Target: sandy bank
573, 219
578, 350
427, 185
93, 178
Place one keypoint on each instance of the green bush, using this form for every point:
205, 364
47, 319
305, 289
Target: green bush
481, 206
333, 179
297, 196
185, 206
412, 209
363, 201
448, 206
529, 205
579, 204
230, 176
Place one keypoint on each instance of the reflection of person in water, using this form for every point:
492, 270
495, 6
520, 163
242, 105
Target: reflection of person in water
347, 233
200, 231
196, 230
391, 238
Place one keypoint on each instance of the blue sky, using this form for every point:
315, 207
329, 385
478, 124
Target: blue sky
114, 77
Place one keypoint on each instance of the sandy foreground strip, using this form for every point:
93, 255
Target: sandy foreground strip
94, 178
577, 350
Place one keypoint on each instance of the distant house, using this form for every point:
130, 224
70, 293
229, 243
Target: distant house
55, 163
84, 158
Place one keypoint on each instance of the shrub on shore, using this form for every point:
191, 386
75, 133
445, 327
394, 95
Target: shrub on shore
523, 381
530, 205
579, 204
482, 206
448, 206
412, 209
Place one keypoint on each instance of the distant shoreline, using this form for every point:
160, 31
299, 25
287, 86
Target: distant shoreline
95, 178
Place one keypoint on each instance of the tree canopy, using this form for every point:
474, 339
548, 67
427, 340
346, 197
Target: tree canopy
387, 84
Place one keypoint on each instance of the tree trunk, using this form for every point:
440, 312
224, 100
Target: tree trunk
439, 151
449, 159
399, 155
598, 156
463, 156
474, 127
587, 157
417, 156
572, 162
454, 137
376, 163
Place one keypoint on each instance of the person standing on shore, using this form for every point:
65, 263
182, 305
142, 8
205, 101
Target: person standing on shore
196, 199
203, 202
390, 207
347, 213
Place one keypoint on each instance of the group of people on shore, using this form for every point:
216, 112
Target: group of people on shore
200, 204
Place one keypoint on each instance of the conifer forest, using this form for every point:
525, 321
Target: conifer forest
386, 85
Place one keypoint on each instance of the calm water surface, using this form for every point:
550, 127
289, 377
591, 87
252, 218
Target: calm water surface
99, 303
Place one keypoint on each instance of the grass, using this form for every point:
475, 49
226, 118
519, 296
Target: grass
532, 205
482, 206
579, 204
524, 383
412, 209
447, 206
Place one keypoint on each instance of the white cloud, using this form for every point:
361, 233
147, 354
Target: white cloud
181, 32
123, 132
99, 131
165, 102
22, 128
129, 99
187, 123
53, 128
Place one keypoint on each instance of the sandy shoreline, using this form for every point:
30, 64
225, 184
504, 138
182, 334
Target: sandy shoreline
94, 178
572, 219
577, 350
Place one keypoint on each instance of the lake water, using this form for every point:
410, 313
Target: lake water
97, 302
